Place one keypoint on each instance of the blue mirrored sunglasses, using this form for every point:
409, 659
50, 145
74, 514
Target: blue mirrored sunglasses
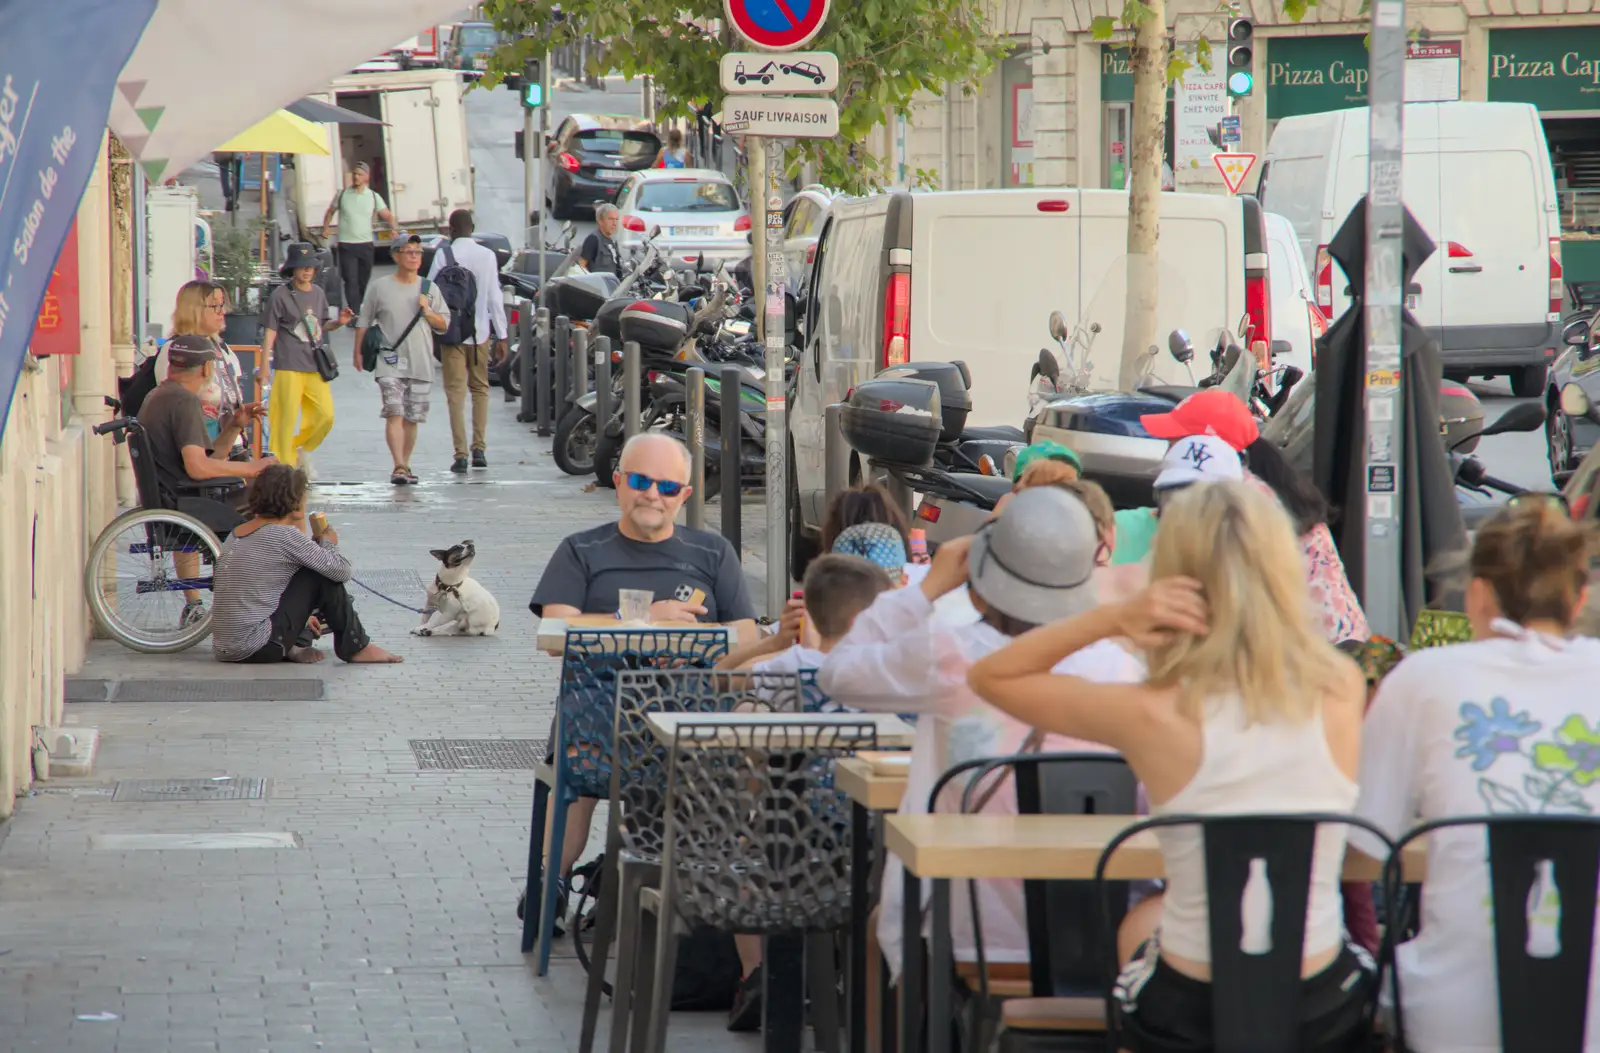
665, 487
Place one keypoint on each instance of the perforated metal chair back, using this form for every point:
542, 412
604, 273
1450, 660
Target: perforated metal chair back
756, 840
639, 768
1542, 969
585, 718
1255, 996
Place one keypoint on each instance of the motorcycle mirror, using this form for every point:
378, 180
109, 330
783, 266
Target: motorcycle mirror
1058, 326
1244, 326
655, 232
1180, 346
700, 263
1576, 334
1524, 416
1048, 366
1282, 347
1292, 375
1575, 401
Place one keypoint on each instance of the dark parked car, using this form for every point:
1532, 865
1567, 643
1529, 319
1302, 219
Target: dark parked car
1570, 438
499, 244
590, 157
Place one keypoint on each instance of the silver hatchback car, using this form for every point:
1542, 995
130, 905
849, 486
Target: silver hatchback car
697, 209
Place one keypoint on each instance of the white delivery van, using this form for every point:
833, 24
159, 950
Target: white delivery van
973, 275
1477, 178
1297, 321
420, 160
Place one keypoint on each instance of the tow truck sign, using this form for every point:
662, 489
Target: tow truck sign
781, 118
798, 72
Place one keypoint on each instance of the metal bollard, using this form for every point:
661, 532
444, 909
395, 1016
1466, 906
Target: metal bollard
696, 381
632, 381
561, 355
732, 472
541, 368
578, 370
602, 386
529, 411
836, 453
900, 492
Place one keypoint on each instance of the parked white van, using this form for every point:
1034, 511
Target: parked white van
1297, 321
1477, 178
974, 275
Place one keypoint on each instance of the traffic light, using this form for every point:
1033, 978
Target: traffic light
532, 85
1241, 56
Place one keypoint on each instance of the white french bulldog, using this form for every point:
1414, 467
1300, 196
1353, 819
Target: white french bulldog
455, 605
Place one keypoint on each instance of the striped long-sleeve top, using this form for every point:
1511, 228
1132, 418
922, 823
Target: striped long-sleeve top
252, 572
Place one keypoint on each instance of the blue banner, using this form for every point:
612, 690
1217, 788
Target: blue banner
58, 69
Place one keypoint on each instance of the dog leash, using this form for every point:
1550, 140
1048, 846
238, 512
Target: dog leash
391, 599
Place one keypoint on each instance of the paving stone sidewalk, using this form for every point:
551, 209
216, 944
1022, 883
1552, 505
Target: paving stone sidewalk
389, 923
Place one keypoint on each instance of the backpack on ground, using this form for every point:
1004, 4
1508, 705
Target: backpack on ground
459, 287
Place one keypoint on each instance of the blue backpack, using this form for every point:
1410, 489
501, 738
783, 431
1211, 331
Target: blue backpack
459, 287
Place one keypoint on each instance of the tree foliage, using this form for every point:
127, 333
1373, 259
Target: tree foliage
888, 51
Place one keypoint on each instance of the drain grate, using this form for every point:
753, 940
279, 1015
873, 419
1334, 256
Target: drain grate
285, 689
222, 788
87, 689
478, 754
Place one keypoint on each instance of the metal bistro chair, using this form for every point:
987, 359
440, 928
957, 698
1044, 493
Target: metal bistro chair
756, 841
1065, 956
580, 764
638, 795
1544, 999
1255, 998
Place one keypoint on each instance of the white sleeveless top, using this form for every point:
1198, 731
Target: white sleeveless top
1263, 768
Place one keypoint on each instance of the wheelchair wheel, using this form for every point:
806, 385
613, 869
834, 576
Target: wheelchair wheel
143, 572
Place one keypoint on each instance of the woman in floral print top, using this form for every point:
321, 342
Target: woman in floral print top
1508, 724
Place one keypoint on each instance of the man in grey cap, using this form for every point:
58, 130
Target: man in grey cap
359, 208
174, 421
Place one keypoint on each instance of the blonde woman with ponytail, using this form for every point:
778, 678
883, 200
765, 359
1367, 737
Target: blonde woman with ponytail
1245, 708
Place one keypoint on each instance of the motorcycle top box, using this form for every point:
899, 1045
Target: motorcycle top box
608, 320
657, 325
894, 420
579, 300
955, 401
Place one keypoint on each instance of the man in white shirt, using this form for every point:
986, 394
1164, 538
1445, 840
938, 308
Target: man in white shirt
464, 355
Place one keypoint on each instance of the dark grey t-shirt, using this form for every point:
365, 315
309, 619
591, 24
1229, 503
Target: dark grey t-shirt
287, 313
172, 417
590, 566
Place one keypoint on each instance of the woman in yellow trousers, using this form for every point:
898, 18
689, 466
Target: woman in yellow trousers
298, 319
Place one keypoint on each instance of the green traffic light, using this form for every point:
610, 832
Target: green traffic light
1240, 82
533, 95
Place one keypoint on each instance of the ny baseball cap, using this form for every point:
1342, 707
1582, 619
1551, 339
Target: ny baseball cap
1210, 412
1199, 459
188, 351
1035, 560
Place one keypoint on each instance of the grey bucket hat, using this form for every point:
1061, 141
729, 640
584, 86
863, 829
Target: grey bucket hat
1035, 561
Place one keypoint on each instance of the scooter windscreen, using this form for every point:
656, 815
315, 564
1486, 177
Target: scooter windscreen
1095, 343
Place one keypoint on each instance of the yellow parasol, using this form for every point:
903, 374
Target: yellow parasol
280, 133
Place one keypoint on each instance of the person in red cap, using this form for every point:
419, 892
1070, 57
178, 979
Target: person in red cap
1209, 412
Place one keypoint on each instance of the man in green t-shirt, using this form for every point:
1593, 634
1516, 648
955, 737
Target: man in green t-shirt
359, 208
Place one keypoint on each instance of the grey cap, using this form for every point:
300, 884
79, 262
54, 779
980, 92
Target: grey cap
1035, 561
188, 351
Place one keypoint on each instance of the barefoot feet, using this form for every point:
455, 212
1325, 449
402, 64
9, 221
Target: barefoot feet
372, 654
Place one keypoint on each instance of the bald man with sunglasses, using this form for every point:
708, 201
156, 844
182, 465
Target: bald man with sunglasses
694, 574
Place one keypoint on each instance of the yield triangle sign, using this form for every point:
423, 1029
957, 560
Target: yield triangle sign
1234, 167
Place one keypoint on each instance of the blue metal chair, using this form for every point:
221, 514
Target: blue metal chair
1544, 999
580, 759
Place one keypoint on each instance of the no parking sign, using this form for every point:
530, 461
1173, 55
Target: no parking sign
777, 25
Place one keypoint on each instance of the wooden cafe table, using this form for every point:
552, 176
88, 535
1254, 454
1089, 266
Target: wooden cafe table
874, 782
946, 847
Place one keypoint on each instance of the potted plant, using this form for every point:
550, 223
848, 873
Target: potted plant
234, 268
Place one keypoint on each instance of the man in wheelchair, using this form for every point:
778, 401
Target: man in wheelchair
192, 472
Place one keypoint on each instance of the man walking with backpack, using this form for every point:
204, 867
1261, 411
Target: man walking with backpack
468, 276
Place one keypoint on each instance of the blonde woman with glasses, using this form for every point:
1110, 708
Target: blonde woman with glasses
1245, 708
201, 310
